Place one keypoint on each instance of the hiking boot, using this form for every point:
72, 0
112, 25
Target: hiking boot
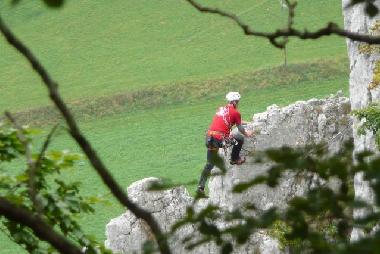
238, 161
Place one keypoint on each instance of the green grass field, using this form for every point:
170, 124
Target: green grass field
175, 64
100, 48
163, 142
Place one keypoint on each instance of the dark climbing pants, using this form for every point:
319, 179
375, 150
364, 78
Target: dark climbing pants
235, 154
213, 159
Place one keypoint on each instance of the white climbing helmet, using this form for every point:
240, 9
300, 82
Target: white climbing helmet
233, 96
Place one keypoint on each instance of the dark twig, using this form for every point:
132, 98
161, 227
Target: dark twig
291, 12
45, 146
41, 229
329, 29
30, 162
85, 145
33, 165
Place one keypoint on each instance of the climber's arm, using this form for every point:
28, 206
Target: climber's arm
243, 131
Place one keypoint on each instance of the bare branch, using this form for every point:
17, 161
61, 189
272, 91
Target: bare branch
291, 12
85, 145
30, 162
329, 29
41, 229
45, 145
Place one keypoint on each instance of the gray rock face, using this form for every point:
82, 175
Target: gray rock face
301, 123
126, 233
361, 92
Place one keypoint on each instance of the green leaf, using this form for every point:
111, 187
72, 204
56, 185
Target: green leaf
15, 2
54, 3
227, 248
371, 9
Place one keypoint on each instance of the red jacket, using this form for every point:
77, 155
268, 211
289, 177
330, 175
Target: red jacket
224, 119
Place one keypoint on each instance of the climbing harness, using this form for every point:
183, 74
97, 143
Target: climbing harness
212, 133
211, 144
227, 143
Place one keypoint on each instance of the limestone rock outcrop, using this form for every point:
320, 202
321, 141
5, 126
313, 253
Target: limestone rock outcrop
299, 124
305, 122
126, 233
363, 60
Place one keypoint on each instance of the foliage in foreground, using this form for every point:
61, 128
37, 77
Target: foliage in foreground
319, 222
40, 191
370, 117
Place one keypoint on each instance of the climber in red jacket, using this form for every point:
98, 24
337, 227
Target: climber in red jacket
219, 133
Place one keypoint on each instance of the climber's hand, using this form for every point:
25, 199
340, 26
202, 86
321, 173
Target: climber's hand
249, 133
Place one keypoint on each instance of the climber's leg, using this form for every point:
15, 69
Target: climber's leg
213, 159
235, 154
205, 175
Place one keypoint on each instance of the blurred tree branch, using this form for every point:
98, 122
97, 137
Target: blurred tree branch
85, 145
43, 230
32, 165
279, 38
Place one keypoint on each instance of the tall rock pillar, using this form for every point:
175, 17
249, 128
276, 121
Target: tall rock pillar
363, 88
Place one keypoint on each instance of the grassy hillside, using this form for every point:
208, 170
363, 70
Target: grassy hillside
165, 142
190, 92
97, 48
